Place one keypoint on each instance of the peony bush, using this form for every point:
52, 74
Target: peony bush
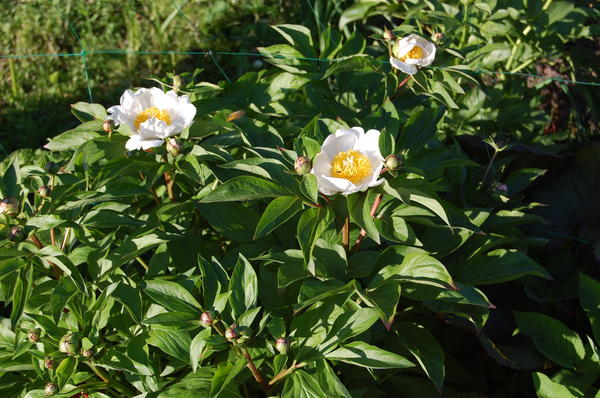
246, 239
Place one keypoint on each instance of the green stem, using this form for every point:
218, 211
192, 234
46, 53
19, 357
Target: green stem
111, 382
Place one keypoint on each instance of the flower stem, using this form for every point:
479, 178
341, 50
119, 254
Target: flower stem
363, 232
255, 372
106, 378
402, 83
40, 245
346, 234
169, 184
285, 372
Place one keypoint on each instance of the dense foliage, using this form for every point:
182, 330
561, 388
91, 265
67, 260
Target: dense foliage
213, 266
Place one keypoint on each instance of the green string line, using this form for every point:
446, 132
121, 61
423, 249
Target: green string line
279, 56
210, 53
83, 55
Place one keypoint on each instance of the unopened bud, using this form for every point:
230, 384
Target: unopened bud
258, 64
9, 207
302, 165
108, 125
88, 353
176, 83
44, 191
388, 35
236, 115
50, 389
33, 335
282, 345
16, 234
437, 37
174, 146
49, 362
232, 333
394, 162
499, 188
207, 318
68, 344
52, 167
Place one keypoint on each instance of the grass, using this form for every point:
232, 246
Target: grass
35, 93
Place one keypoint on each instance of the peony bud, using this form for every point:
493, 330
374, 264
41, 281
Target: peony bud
68, 344
49, 362
499, 188
174, 146
108, 125
235, 115
44, 191
9, 207
50, 389
207, 318
393, 162
302, 165
437, 37
388, 35
88, 353
33, 335
52, 168
282, 345
16, 234
232, 333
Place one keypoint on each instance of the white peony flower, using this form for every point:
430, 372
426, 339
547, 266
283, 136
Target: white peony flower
412, 51
152, 115
349, 162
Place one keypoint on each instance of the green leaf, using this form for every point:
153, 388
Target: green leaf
408, 195
498, 266
65, 370
360, 212
171, 296
298, 36
85, 111
366, 355
244, 188
173, 342
312, 222
589, 298
552, 338
521, 179
426, 350
21, 293
353, 62
277, 327
197, 347
416, 267
356, 12
74, 138
301, 385
243, 286
420, 128
546, 388
224, 375
309, 187
385, 298
277, 212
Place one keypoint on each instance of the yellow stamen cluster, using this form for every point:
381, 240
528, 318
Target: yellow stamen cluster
350, 165
153, 112
415, 53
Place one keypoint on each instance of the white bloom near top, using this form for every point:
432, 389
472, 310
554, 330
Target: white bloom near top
412, 51
349, 162
152, 115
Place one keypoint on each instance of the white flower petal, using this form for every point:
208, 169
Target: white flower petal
369, 143
133, 143
404, 67
340, 141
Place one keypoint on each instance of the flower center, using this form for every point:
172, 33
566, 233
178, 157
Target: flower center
415, 53
154, 112
350, 165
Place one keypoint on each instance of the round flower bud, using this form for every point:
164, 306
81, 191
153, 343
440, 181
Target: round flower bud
235, 115
282, 345
302, 165
49, 362
258, 64
9, 207
108, 125
388, 35
33, 335
44, 191
16, 234
174, 146
232, 332
68, 344
499, 188
52, 168
393, 162
207, 318
50, 389
88, 353
437, 37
